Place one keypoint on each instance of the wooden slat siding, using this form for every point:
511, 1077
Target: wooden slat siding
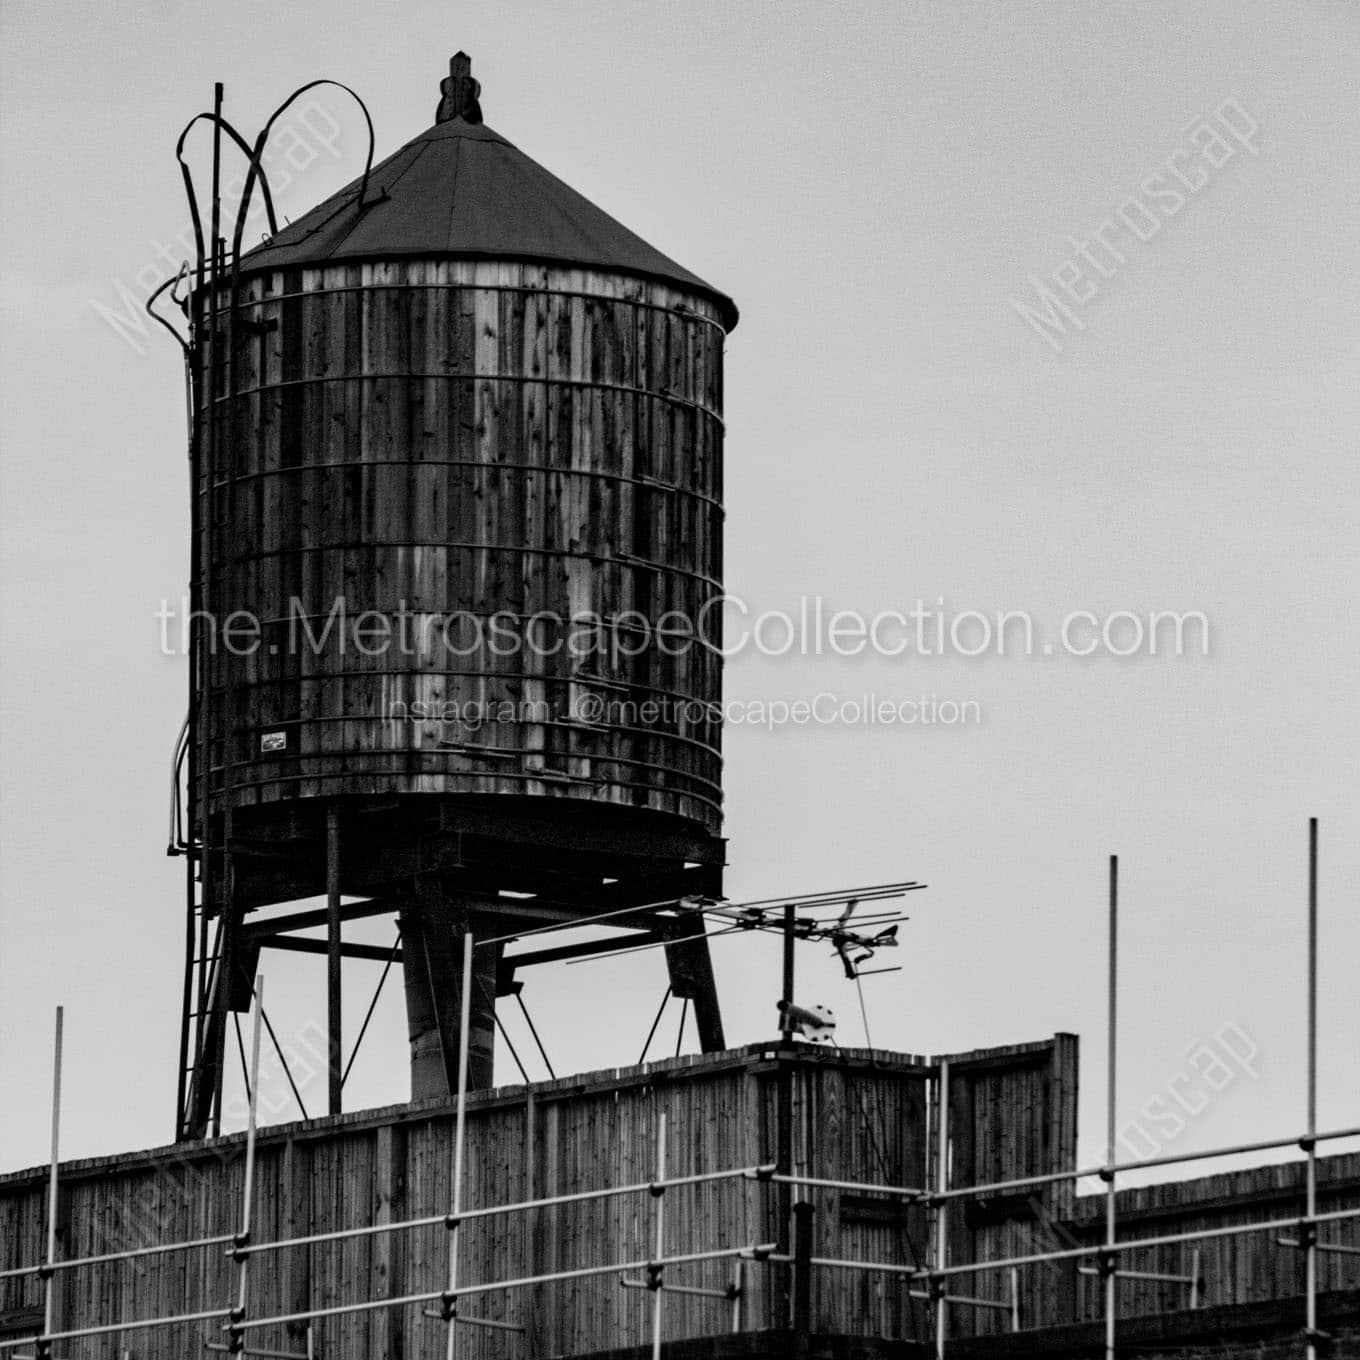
1239, 1269
331, 483
293, 1196
1009, 1117
860, 1116
388, 1207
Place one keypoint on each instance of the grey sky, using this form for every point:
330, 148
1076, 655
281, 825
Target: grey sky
872, 183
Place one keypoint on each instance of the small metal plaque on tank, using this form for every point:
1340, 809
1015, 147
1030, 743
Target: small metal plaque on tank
273, 741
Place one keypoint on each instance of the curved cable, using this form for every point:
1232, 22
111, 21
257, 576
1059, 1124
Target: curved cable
261, 141
156, 316
187, 175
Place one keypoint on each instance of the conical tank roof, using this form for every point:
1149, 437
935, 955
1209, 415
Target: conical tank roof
461, 191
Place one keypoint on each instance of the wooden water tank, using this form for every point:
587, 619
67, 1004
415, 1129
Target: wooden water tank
461, 456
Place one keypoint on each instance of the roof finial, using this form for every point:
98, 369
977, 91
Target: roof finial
460, 92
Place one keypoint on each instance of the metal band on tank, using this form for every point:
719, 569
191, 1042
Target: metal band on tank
593, 384
268, 298
645, 562
560, 724
516, 776
647, 483
537, 678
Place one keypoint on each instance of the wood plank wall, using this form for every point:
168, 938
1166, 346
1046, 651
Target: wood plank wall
1241, 1269
464, 440
1012, 1113
860, 1116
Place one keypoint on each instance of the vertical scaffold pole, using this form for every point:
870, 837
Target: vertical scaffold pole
334, 1041
1309, 1234
49, 1274
459, 1132
238, 1314
659, 1245
784, 1113
1111, 1054
938, 1284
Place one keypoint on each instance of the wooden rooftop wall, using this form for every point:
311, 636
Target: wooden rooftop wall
859, 1116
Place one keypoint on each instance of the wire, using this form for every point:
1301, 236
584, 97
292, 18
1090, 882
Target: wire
829, 896
509, 1043
283, 1062
874, 1126
576, 921
658, 944
680, 1035
652, 1032
528, 1020
863, 1011
363, 1029
256, 168
150, 305
241, 1049
723, 909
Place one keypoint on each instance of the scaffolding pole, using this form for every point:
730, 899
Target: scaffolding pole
235, 1343
1075, 1253
49, 1276
335, 1057
756, 1173
1107, 1263
654, 1272
941, 1215
449, 1302
1308, 1235
1142, 1164
755, 1251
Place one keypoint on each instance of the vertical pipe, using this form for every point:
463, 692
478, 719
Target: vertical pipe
659, 1247
802, 1277
187, 997
459, 1131
786, 1010
333, 957
1194, 1282
1015, 1298
217, 1033
192, 1012
216, 225
938, 1285
784, 1155
1111, 1053
738, 1292
1309, 1235
248, 1191
49, 1278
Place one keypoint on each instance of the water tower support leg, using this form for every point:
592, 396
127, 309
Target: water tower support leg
432, 928
691, 974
